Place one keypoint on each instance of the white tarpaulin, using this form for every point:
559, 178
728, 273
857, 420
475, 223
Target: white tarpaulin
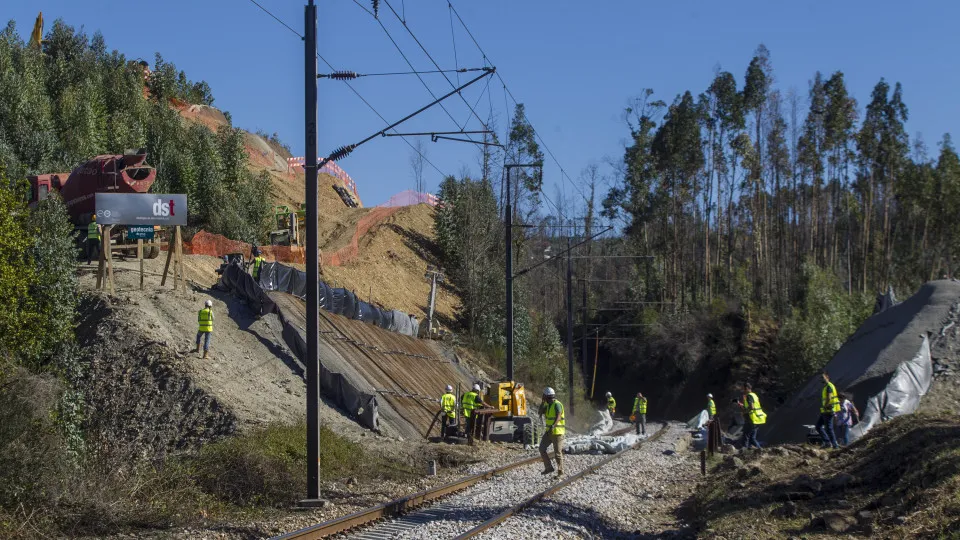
910, 382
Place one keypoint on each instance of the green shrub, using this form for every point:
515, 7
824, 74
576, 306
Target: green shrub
267, 467
827, 315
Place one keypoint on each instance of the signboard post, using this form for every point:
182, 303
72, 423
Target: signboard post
141, 212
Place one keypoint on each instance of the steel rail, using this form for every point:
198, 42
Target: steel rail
398, 506
401, 505
517, 508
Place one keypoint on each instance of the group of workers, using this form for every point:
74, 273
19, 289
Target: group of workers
837, 414
205, 315
638, 414
471, 401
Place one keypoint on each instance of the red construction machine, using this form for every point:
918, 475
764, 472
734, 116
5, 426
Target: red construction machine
126, 173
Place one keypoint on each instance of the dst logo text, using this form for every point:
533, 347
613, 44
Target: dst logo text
163, 209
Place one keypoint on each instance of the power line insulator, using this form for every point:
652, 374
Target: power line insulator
342, 152
376, 8
342, 75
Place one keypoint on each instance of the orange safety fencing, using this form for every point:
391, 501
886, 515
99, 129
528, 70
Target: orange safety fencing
204, 243
350, 251
215, 245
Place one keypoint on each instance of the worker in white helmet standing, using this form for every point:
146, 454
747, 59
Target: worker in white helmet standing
711, 407
205, 330
448, 410
555, 428
611, 405
470, 402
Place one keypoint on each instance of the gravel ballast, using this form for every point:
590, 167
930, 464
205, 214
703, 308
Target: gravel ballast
635, 494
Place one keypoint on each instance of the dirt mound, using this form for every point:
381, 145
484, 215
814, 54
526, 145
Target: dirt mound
865, 363
390, 264
900, 481
250, 374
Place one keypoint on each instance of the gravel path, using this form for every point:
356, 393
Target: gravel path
633, 496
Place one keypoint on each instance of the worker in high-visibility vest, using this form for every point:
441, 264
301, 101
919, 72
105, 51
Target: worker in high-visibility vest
639, 414
205, 327
468, 403
829, 407
753, 416
93, 239
711, 407
257, 264
611, 405
555, 422
448, 410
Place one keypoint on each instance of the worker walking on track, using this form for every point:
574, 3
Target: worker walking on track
555, 421
639, 413
829, 407
448, 410
93, 239
753, 416
257, 264
711, 407
611, 405
205, 330
471, 401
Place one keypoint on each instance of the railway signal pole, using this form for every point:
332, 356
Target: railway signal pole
312, 360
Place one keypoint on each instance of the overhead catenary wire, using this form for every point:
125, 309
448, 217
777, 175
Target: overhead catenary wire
410, 64
433, 61
486, 58
354, 90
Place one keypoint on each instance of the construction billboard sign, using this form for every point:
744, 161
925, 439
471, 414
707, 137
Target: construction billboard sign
141, 209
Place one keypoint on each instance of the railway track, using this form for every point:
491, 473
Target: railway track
407, 513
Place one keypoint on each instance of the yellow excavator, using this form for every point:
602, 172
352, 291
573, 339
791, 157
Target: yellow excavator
508, 420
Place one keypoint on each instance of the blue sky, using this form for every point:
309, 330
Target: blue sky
574, 64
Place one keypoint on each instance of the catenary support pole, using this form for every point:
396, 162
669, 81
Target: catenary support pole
570, 329
312, 361
583, 319
508, 218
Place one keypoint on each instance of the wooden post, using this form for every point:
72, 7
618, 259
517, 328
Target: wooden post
140, 258
178, 272
107, 231
166, 266
101, 261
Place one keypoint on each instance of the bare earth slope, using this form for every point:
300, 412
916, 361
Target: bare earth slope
391, 256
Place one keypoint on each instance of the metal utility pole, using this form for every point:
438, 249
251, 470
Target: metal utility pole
570, 326
508, 218
312, 361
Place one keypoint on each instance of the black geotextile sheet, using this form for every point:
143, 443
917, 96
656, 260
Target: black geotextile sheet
279, 277
333, 385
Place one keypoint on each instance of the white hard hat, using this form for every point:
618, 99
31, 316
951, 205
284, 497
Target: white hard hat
209, 303
710, 396
609, 394
548, 392
476, 388
449, 388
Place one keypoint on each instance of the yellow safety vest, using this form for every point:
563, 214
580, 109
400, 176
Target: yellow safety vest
556, 419
448, 403
205, 319
257, 261
93, 233
756, 414
469, 403
829, 404
611, 404
711, 407
640, 405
